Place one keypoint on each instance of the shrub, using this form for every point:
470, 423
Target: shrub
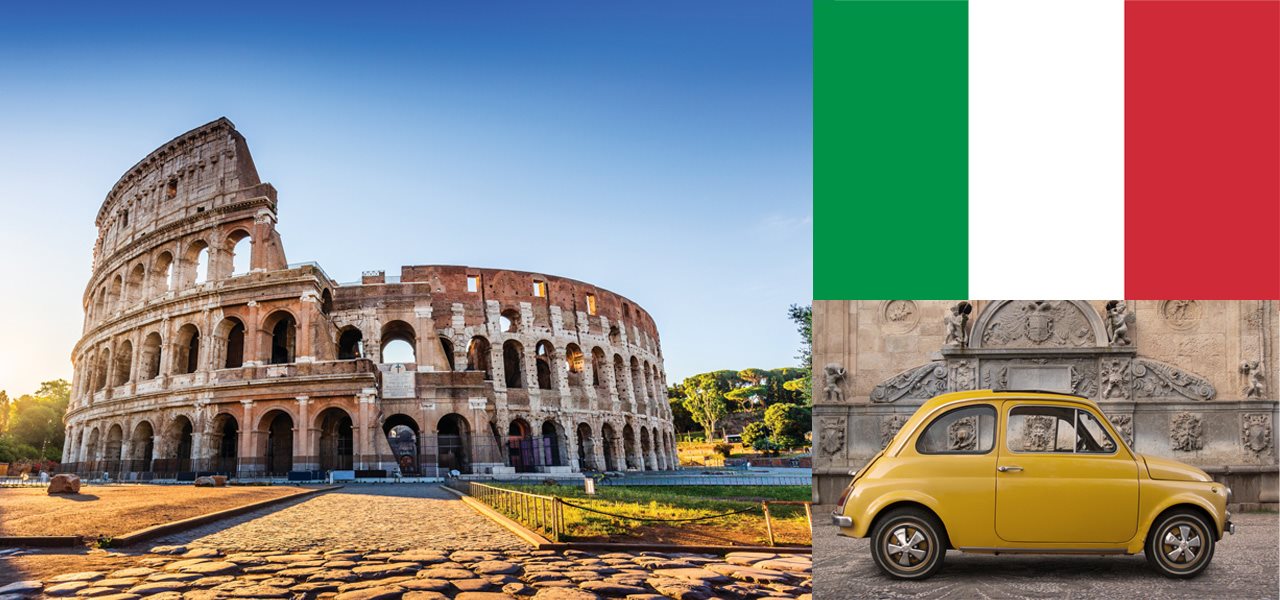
723, 449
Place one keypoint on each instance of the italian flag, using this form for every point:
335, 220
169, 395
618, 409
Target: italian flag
1047, 148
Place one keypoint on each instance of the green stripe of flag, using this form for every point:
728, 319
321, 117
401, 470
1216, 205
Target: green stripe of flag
890, 145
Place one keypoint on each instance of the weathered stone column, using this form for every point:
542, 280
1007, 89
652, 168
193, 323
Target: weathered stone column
305, 349
302, 457
247, 452
252, 335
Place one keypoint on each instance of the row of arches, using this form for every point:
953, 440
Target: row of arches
172, 269
272, 451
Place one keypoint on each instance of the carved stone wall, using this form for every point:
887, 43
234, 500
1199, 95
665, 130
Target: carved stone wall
1196, 380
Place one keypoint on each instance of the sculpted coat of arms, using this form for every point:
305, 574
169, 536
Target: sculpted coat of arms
1037, 433
1256, 432
832, 435
1185, 432
962, 434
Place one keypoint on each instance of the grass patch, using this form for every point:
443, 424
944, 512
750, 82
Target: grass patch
681, 502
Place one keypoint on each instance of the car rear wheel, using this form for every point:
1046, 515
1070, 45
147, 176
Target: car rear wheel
908, 543
1180, 544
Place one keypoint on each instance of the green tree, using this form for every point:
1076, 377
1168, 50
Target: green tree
4, 412
754, 433
681, 418
788, 423
802, 315
36, 419
707, 407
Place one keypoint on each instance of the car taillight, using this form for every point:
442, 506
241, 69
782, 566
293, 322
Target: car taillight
843, 497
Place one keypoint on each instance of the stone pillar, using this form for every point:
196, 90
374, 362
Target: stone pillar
630, 388
303, 459
252, 334
363, 436
263, 227
597, 451
247, 453
67, 441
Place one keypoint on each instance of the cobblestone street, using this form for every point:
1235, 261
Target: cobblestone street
402, 541
1244, 566
358, 517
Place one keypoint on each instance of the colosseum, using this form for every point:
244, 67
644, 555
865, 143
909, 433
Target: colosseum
206, 351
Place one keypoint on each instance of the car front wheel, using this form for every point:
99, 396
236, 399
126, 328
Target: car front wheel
908, 543
1180, 544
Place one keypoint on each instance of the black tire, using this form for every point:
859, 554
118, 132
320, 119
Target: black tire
924, 550
1180, 544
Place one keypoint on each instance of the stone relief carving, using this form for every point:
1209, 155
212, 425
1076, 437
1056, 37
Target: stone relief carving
963, 376
1180, 314
1123, 425
1084, 373
1037, 433
831, 436
1115, 379
1254, 388
955, 322
1153, 379
834, 375
899, 316
889, 427
1037, 323
1118, 321
1084, 380
1185, 432
1256, 431
962, 434
921, 382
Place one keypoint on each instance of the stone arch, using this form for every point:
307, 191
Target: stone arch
453, 443
999, 315
598, 364
239, 253
637, 386
350, 343
629, 448
575, 363
509, 321
276, 431
186, 350
399, 341
586, 448
93, 451
152, 348
513, 363
179, 440
646, 450
135, 286
544, 356
553, 440
225, 443
520, 446
405, 438
102, 368
115, 299
161, 274
609, 443
281, 331
479, 357
195, 263
336, 442
446, 345
142, 446
615, 335
619, 376
231, 331
113, 451
123, 364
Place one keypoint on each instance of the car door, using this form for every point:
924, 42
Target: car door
1061, 477
951, 461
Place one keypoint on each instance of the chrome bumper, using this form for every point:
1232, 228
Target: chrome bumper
841, 520
1231, 528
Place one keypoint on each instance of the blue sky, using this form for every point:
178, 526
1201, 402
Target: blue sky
658, 149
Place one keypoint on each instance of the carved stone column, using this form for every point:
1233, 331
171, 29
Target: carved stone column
303, 460
249, 460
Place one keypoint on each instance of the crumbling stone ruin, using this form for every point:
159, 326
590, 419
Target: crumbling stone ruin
195, 359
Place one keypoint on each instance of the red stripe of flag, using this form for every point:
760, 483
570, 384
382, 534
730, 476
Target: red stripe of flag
1202, 149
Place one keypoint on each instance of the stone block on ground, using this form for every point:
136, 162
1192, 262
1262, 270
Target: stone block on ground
64, 483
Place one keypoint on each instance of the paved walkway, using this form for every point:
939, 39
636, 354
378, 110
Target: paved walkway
1244, 566
358, 517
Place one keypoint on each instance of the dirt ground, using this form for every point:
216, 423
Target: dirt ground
115, 510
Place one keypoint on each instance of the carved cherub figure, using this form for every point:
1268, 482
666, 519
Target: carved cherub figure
956, 335
1253, 377
834, 374
1118, 321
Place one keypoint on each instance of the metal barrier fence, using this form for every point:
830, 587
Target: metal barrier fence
709, 480
542, 513
546, 513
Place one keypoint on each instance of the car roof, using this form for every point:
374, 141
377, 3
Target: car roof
954, 397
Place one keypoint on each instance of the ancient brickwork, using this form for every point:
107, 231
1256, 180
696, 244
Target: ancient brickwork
196, 359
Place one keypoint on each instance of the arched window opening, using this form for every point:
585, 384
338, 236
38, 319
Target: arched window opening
188, 348
279, 444
115, 445
626, 310
134, 288
92, 450
350, 344
114, 300
615, 335
575, 362
520, 450
162, 274
509, 321
337, 440
598, 364
143, 446
197, 259
551, 444
619, 376
235, 345
178, 442
151, 349
609, 440
226, 441
398, 343
513, 363
586, 448
542, 354
406, 443
645, 450
123, 363
326, 302
478, 357
284, 332
103, 369
447, 346
240, 247
629, 448
453, 443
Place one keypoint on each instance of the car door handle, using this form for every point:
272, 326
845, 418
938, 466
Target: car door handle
1004, 469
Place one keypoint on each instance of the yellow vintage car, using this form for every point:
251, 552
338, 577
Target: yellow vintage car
1027, 472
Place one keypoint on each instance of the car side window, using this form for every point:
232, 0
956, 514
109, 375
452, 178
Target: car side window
1056, 429
968, 430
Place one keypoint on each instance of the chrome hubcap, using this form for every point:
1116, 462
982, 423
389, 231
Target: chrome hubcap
1181, 544
907, 546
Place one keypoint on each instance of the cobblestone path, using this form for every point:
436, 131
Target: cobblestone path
1244, 566
358, 517
182, 573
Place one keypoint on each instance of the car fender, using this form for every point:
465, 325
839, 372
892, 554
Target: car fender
1148, 518
863, 528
